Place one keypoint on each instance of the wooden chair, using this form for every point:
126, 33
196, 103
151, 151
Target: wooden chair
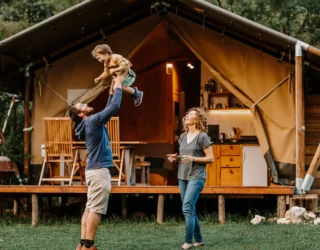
58, 147
113, 128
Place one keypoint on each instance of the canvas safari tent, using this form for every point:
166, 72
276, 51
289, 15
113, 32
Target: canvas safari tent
51, 64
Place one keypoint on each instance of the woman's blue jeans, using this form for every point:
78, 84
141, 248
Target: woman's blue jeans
190, 192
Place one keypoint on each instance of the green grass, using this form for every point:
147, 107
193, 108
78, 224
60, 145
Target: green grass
146, 234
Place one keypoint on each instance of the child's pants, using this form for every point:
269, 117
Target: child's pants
129, 79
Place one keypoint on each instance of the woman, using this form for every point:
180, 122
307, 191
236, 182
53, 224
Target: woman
195, 152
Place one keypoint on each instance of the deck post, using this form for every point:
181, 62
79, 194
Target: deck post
281, 206
300, 125
26, 133
124, 205
221, 209
308, 201
35, 210
15, 207
160, 208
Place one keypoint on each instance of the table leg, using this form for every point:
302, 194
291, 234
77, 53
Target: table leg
133, 167
143, 175
148, 175
127, 165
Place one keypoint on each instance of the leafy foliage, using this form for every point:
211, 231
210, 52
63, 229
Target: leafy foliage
297, 18
13, 147
17, 15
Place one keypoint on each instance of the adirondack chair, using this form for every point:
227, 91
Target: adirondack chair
58, 148
113, 128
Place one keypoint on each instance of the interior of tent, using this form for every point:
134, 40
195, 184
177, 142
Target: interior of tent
258, 81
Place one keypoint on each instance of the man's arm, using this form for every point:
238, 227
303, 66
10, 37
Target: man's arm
111, 92
113, 103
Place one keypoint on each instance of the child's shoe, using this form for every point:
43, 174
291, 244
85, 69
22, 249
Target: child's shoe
137, 97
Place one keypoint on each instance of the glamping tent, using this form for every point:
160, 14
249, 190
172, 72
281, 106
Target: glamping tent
51, 64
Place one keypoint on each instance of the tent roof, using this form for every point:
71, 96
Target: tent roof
92, 20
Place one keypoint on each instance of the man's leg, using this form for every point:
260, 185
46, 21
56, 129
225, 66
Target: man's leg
83, 230
92, 223
84, 224
99, 186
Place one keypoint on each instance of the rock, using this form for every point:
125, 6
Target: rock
316, 221
296, 215
311, 215
257, 219
274, 219
283, 221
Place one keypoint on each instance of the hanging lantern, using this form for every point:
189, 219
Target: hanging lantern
169, 68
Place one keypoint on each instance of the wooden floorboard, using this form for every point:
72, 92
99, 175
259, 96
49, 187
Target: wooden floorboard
282, 190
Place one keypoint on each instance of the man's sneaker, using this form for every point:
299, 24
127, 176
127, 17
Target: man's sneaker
137, 97
79, 247
93, 247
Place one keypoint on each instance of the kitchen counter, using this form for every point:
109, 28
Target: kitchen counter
251, 142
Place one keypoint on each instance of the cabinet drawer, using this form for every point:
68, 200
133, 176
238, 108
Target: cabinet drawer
231, 177
230, 150
231, 161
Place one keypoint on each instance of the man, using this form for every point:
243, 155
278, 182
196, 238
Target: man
91, 129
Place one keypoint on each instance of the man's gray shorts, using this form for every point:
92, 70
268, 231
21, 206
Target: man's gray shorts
99, 187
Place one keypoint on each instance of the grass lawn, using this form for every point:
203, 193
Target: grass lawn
146, 234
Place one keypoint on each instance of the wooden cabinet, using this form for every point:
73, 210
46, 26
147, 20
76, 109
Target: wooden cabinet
231, 149
231, 177
226, 170
212, 169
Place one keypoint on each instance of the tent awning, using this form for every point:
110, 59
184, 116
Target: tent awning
94, 20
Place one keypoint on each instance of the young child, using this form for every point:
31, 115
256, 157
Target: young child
117, 64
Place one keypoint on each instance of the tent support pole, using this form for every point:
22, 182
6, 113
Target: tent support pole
26, 132
313, 50
300, 126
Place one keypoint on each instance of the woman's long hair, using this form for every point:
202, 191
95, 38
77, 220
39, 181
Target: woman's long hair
201, 122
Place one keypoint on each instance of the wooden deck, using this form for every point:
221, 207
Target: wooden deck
280, 190
283, 193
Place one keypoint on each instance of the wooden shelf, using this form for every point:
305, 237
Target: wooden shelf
222, 101
219, 93
229, 109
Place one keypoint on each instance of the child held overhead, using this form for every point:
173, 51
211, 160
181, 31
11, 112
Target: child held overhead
117, 64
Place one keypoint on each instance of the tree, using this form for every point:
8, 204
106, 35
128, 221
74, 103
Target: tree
17, 15
297, 18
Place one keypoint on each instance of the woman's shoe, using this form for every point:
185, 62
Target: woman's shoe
186, 246
198, 244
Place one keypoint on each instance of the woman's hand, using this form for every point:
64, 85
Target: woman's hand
172, 157
187, 158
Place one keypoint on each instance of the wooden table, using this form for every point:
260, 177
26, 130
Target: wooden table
129, 156
130, 160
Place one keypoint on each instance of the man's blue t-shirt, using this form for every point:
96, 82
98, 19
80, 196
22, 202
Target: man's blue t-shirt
92, 130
